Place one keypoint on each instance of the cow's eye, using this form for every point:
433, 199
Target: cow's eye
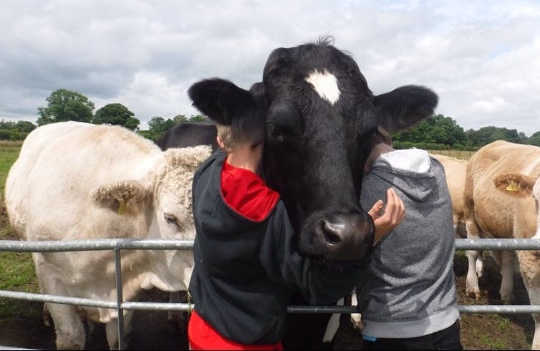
171, 219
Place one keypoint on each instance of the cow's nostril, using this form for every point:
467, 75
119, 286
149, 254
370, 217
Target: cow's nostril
331, 232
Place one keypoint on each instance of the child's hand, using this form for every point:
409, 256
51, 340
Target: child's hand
386, 220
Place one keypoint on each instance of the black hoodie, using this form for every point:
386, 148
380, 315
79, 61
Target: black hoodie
246, 272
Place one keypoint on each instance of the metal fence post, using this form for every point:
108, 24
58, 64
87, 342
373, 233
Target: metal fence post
119, 296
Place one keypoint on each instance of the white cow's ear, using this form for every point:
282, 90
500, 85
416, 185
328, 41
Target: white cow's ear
515, 184
188, 158
122, 197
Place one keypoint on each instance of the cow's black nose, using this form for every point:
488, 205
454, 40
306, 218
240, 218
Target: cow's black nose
347, 236
333, 232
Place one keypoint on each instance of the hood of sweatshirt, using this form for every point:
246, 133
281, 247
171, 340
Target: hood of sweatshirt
414, 166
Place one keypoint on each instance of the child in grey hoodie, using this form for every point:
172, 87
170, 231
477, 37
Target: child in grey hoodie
409, 292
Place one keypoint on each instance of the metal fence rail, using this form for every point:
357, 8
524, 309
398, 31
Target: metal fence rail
117, 245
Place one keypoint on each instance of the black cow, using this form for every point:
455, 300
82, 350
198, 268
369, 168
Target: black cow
320, 115
189, 134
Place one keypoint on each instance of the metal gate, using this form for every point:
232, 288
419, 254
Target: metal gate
128, 244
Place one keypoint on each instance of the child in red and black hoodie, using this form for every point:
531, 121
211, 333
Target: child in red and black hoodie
247, 266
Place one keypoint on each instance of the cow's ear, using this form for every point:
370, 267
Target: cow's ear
220, 99
189, 158
404, 107
125, 197
515, 184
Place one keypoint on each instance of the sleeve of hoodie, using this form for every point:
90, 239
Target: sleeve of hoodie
320, 282
373, 189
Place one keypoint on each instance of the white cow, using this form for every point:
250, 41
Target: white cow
81, 181
455, 170
502, 190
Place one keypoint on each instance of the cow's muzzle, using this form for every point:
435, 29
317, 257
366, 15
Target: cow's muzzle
345, 237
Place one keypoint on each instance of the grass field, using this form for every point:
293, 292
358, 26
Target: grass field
17, 269
480, 331
461, 154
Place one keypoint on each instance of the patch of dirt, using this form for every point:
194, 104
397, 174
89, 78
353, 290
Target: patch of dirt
492, 331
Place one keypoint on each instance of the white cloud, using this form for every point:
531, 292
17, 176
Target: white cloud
480, 57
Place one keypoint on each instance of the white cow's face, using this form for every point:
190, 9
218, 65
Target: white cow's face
173, 217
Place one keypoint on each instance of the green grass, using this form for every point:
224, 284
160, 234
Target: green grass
16, 269
8, 155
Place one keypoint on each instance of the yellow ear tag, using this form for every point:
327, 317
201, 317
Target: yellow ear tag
512, 186
122, 208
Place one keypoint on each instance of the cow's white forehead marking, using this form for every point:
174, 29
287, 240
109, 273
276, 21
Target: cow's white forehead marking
325, 84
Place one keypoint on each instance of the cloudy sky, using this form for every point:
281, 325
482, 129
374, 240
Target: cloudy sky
481, 57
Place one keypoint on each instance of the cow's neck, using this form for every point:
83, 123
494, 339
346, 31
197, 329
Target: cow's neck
376, 151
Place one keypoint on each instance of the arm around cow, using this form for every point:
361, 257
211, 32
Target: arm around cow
247, 262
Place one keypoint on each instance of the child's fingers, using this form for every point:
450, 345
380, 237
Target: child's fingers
374, 212
395, 209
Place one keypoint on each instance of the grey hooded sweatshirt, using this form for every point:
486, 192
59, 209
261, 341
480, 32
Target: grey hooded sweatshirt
409, 289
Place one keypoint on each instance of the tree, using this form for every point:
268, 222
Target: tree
486, 135
159, 125
180, 119
534, 139
25, 126
66, 105
198, 118
15, 130
116, 114
436, 130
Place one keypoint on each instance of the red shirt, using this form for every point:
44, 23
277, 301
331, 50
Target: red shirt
247, 194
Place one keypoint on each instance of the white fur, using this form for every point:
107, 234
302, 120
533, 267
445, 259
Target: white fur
61, 188
325, 84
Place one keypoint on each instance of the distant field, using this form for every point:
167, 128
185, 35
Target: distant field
480, 331
464, 155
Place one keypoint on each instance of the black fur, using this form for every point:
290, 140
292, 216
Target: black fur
405, 106
189, 134
227, 104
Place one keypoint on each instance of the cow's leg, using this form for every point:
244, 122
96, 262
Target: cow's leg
356, 318
111, 330
479, 265
70, 334
46, 316
471, 286
507, 272
534, 297
529, 266
69, 328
